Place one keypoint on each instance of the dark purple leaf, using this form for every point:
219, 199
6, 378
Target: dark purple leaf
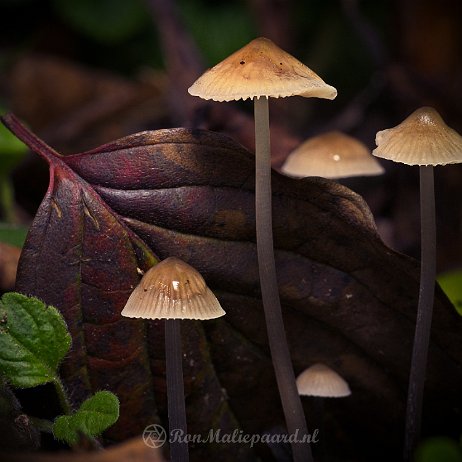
348, 300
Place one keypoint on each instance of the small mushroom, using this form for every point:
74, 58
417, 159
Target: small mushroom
173, 290
421, 139
261, 70
331, 155
320, 382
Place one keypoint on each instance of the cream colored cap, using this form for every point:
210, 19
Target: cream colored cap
260, 69
421, 139
320, 380
331, 155
172, 289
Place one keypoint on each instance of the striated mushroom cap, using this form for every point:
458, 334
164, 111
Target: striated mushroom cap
331, 155
320, 380
260, 69
172, 289
423, 138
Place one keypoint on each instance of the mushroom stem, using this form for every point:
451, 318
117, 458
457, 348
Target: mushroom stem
175, 391
318, 411
424, 311
291, 403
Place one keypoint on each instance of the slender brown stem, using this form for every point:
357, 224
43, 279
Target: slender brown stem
291, 403
424, 311
175, 392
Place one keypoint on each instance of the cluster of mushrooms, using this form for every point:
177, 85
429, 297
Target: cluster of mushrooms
173, 290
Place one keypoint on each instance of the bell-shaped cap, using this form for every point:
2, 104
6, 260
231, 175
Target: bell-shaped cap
423, 138
331, 155
172, 289
260, 69
320, 380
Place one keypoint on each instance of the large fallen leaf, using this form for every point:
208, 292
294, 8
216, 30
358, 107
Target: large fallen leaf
348, 300
81, 255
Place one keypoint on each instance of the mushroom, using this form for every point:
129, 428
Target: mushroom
261, 70
173, 290
320, 381
421, 139
331, 155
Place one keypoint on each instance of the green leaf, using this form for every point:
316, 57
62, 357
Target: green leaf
95, 415
64, 431
98, 413
33, 340
451, 283
439, 449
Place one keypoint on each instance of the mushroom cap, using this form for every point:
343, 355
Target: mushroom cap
423, 138
320, 380
260, 69
331, 155
172, 289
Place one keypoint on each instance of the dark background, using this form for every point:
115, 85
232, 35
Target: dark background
83, 72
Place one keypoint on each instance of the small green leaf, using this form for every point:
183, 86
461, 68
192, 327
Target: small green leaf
98, 413
63, 430
33, 340
439, 449
95, 415
451, 283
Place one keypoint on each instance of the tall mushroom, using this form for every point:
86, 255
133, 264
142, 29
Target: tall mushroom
173, 290
261, 70
421, 139
331, 155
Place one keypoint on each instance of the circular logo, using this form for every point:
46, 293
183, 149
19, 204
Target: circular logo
154, 436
